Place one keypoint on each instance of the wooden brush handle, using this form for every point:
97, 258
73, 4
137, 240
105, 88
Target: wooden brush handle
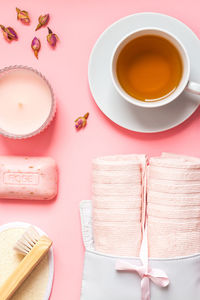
26, 266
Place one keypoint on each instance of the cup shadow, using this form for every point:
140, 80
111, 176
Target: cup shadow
147, 136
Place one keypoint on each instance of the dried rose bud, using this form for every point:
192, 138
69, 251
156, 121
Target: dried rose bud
9, 33
81, 121
43, 20
23, 16
52, 38
36, 45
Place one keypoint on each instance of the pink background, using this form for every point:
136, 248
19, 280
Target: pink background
78, 23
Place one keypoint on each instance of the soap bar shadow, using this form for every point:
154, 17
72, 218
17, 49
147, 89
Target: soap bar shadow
26, 201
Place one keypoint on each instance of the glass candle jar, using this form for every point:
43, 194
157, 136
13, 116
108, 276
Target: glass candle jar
27, 103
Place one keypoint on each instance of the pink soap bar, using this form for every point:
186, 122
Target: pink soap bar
31, 178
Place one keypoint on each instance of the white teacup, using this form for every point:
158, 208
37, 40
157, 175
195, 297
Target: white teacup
184, 83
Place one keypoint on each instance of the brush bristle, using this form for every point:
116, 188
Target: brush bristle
28, 240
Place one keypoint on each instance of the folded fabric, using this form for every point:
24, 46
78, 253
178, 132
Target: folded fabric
117, 195
162, 173
112, 177
172, 210
117, 201
173, 206
165, 186
109, 277
117, 189
174, 199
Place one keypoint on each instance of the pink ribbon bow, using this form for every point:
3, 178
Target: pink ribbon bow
157, 276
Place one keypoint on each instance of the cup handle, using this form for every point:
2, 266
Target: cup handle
193, 87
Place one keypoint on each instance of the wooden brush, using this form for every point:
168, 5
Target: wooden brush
34, 247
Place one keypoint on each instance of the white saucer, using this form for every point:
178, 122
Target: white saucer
116, 108
51, 257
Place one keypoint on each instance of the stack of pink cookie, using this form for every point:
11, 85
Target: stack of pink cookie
173, 206
117, 204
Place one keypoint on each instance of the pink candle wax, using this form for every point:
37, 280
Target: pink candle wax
26, 102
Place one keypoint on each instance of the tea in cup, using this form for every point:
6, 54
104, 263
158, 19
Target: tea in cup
150, 68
